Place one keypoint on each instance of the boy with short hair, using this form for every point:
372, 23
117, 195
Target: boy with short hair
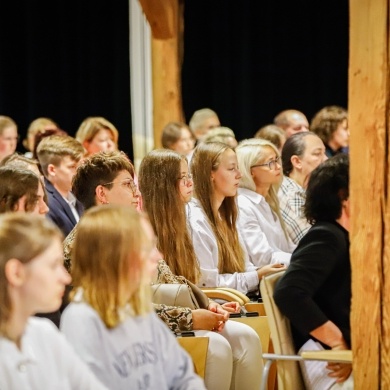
59, 157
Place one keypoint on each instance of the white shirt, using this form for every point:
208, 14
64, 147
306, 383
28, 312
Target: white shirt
71, 200
45, 361
139, 353
261, 230
206, 251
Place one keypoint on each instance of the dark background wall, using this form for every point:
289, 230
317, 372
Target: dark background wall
66, 60
247, 60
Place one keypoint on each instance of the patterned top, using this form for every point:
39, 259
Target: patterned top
67, 247
179, 319
292, 199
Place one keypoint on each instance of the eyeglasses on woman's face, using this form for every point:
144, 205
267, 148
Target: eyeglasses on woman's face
126, 183
186, 179
271, 164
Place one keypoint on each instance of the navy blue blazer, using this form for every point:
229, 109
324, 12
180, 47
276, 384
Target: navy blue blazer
59, 211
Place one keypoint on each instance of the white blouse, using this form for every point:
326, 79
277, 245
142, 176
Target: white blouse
206, 251
261, 230
44, 361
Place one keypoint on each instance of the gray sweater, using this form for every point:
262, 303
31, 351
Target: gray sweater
140, 353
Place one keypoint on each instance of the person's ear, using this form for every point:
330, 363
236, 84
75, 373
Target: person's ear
15, 272
101, 194
296, 162
346, 207
51, 170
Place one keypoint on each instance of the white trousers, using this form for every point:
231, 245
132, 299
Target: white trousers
234, 358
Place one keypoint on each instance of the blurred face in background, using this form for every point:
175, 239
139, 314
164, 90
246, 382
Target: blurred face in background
297, 123
103, 141
185, 144
8, 141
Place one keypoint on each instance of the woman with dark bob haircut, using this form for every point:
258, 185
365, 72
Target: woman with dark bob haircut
315, 292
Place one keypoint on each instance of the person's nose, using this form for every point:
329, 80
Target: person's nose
43, 207
238, 175
65, 277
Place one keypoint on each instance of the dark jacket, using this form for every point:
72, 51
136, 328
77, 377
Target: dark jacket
317, 285
59, 210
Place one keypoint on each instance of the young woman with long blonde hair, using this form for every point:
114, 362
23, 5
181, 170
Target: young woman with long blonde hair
111, 322
213, 215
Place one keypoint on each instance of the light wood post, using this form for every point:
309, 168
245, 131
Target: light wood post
166, 21
368, 124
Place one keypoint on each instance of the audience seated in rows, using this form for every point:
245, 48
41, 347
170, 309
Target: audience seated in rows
166, 187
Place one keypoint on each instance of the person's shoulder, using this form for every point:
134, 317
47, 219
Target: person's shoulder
38, 323
81, 311
195, 212
327, 231
247, 197
41, 329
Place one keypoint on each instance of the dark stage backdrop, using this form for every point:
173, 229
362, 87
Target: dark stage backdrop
248, 60
66, 60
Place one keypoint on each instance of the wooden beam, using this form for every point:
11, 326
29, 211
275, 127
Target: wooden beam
161, 15
368, 112
166, 20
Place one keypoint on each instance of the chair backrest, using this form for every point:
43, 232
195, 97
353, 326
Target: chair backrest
197, 348
289, 374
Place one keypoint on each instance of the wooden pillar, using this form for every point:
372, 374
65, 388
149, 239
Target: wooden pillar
369, 187
166, 21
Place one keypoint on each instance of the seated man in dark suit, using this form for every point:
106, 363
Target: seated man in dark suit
59, 157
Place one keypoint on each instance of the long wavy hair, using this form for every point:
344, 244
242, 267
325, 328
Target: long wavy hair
250, 152
159, 184
206, 159
107, 258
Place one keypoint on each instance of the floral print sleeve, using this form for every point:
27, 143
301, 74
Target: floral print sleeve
68, 246
178, 319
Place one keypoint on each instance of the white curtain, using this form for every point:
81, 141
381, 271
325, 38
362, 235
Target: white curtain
140, 83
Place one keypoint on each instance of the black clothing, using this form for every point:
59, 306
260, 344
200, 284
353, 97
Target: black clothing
317, 285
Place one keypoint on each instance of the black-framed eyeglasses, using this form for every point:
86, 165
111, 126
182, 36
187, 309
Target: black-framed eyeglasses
185, 179
127, 183
271, 164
